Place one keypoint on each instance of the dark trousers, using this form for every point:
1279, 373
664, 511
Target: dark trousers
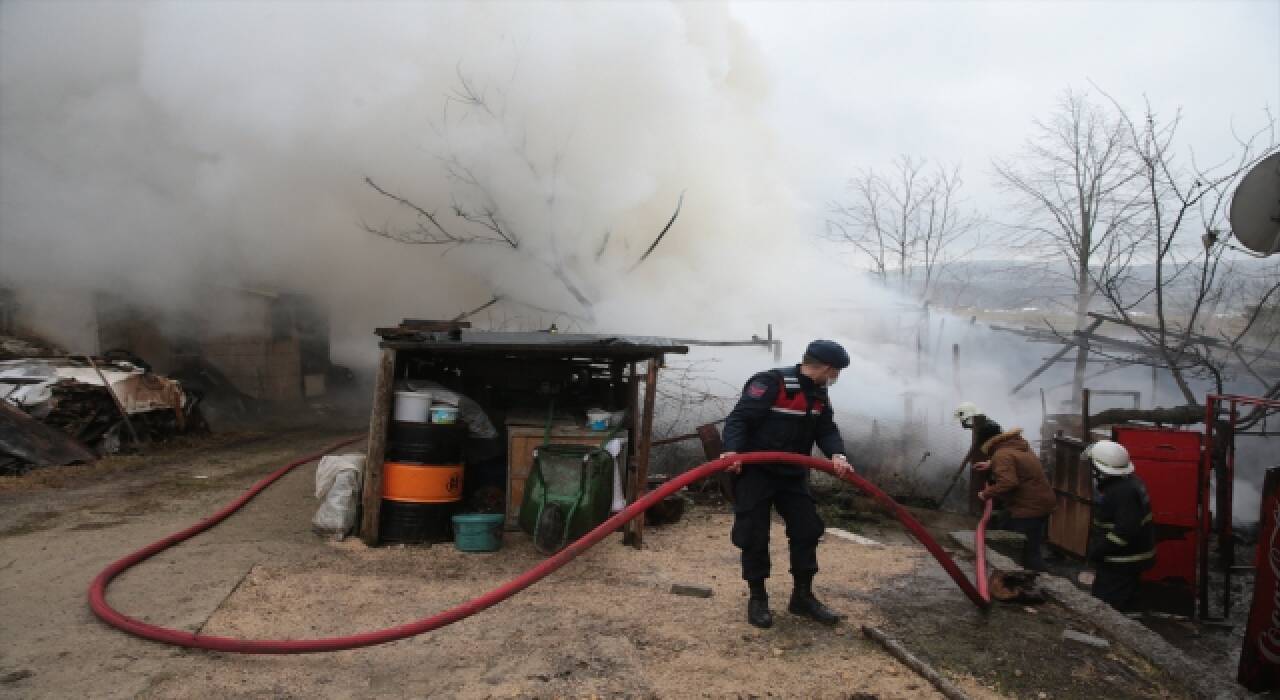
1033, 529
757, 494
1117, 587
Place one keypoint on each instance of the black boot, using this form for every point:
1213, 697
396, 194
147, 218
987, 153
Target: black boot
804, 604
758, 613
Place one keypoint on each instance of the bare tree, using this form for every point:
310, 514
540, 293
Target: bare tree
478, 212
909, 223
1075, 183
1186, 238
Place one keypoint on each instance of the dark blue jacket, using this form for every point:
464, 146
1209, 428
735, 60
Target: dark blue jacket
1122, 536
782, 410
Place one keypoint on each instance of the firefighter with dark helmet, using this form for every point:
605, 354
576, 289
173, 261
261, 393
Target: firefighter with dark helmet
1122, 540
784, 410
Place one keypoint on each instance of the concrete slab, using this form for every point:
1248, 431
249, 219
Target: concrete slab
1194, 676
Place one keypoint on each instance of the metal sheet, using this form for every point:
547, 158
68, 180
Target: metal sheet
35, 444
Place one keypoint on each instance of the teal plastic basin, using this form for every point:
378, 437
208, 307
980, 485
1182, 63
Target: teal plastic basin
478, 532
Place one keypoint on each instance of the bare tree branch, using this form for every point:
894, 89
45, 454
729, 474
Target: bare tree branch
909, 224
663, 232
1074, 182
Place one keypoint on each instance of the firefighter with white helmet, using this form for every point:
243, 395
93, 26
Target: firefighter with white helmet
965, 413
1122, 540
983, 428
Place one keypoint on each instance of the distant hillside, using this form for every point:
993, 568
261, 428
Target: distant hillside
995, 285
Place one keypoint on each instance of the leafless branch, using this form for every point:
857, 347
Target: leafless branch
663, 232
908, 223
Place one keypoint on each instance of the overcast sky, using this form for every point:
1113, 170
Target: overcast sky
856, 83
233, 138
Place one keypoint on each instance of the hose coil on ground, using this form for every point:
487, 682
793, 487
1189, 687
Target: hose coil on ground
98, 588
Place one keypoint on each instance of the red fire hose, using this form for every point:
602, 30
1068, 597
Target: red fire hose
980, 552
98, 589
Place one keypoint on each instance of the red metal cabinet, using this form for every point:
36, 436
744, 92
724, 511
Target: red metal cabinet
1168, 461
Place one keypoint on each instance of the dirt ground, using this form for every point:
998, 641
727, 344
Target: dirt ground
606, 624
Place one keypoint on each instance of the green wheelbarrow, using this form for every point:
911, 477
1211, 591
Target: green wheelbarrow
569, 491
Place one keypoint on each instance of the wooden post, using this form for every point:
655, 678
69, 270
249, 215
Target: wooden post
642, 449
371, 497
1085, 428
633, 422
955, 366
116, 400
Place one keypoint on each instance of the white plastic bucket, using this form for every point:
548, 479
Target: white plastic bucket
597, 419
412, 406
444, 414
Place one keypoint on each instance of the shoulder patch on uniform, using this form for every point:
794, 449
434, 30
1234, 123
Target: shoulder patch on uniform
756, 389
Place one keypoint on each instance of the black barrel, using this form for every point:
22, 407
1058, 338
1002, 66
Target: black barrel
427, 443
416, 523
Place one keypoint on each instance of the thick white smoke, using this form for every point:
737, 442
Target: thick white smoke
161, 147
155, 149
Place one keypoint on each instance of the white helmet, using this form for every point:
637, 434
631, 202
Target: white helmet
1109, 458
965, 413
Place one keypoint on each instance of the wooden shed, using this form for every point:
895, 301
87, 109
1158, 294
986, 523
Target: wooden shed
529, 384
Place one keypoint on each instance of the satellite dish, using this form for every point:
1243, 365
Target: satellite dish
1255, 207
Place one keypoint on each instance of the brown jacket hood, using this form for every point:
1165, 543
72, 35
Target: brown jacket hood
1012, 439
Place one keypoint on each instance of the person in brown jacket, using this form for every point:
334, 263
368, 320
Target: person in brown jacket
1018, 481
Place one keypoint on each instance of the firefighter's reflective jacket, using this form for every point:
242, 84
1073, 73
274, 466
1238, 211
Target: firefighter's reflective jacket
1122, 536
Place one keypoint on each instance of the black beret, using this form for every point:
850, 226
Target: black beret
828, 352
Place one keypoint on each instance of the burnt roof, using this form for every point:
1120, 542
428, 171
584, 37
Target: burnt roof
538, 343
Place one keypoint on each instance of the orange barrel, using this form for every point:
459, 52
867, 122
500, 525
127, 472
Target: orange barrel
409, 482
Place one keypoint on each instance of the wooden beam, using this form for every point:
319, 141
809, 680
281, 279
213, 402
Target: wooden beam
645, 443
371, 496
1207, 340
420, 324
1190, 414
116, 400
1054, 358
913, 662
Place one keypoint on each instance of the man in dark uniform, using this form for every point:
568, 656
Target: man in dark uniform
1122, 542
784, 410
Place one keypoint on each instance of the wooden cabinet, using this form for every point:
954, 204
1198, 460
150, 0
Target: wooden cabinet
522, 440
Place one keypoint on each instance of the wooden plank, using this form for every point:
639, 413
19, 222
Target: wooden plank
643, 446
895, 648
852, 537
420, 324
1073, 490
379, 422
712, 447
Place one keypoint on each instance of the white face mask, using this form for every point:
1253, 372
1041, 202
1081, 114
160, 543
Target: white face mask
832, 381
